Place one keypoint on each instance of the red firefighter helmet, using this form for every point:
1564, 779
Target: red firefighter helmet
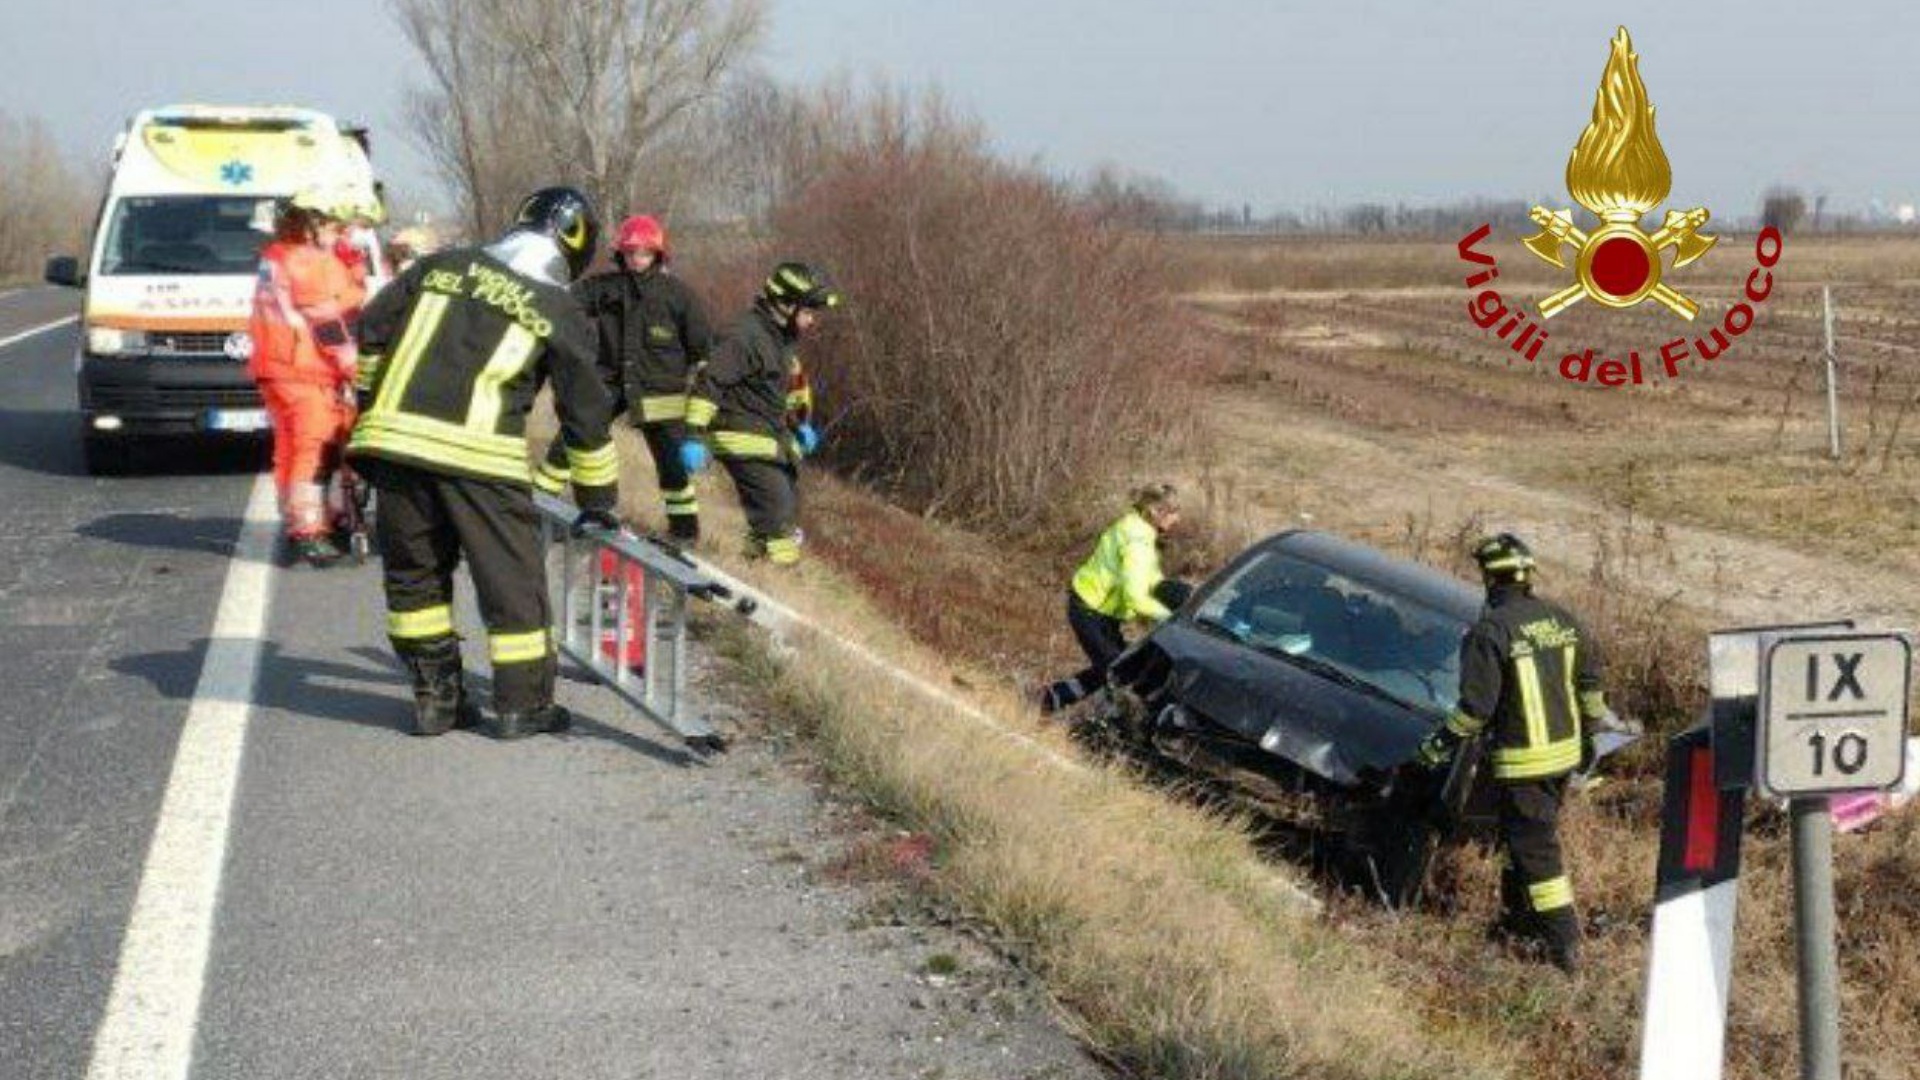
641, 233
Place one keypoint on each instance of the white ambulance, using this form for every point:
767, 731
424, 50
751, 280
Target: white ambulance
175, 254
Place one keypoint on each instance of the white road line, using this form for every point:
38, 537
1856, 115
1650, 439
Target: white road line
41, 329
154, 1009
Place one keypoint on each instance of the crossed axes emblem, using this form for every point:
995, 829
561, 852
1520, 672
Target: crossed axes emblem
1628, 259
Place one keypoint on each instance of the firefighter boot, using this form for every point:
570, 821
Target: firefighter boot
1560, 931
518, 724
684, 529
439, 690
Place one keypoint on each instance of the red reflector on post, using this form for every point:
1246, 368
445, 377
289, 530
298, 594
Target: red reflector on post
1703, 814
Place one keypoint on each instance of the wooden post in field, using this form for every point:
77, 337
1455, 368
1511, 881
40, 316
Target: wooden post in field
1833, 390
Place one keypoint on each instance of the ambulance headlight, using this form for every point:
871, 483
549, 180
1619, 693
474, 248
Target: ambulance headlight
112, 341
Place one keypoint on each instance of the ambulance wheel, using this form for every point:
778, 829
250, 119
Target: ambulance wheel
105, 455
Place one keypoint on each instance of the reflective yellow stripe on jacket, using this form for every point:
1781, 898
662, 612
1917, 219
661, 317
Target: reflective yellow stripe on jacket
1543, 755
436, 442
420, 330
661, 408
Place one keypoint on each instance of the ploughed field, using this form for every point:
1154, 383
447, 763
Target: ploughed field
1377, 339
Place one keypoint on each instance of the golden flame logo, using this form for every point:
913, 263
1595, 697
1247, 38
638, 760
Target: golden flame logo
1619, 171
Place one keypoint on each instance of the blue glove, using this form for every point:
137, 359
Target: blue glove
693, 455
809, 439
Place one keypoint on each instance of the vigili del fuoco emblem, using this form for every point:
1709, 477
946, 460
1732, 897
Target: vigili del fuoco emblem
1619, 171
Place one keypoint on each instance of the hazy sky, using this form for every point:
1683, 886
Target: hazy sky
1271, 103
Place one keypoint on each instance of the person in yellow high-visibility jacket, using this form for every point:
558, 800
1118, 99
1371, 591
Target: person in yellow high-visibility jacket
1120, 582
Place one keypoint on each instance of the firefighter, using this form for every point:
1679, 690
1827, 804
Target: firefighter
1119, 583
754, 397
1531, 678
653, 335
454, 351
303, 361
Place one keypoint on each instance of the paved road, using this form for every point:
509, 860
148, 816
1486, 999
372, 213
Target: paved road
94, 572
595, 906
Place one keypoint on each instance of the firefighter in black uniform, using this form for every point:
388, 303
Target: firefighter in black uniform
452, 354
653, 335
755, 398
1530, 674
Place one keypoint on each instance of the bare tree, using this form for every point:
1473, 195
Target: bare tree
1782, 208
44, 203
1366, 218
602, 94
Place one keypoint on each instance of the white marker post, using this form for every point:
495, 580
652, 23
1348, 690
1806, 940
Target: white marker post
1832, 359
1833, 718
1697, 888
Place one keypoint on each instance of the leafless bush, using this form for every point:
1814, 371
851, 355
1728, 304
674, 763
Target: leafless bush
44, 202
1783, 208
1136, 201
1002, 353
599, 93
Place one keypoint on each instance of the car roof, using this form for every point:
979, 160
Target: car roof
1423, 584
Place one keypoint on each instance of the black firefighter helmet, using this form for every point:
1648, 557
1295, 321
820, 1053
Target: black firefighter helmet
565, 216
799, 285
1505, 557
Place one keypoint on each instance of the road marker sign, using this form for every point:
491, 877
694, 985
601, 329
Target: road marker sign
1833, 713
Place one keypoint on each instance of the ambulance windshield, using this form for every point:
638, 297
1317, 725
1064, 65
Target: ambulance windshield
186, 234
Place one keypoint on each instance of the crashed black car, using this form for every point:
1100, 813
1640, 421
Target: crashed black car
1305, 675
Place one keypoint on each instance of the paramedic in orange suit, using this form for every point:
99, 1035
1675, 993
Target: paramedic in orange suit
304, 360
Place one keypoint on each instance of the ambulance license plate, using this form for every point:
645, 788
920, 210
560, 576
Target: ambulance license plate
237, 420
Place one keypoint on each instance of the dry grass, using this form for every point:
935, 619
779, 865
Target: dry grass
1176, 949
1790, 495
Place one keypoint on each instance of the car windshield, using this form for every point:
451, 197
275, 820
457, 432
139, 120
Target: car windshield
186, 234
1329, 620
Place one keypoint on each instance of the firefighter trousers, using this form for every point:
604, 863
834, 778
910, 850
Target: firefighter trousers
770, 497
677, 490
1534, 887
426, 522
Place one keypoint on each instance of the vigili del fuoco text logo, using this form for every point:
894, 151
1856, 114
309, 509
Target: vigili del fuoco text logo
1619, 172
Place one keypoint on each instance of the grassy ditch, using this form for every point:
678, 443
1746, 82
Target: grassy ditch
915, 592
1176, 949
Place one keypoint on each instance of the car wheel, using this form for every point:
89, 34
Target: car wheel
105, 455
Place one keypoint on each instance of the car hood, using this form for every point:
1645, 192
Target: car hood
1323, 726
